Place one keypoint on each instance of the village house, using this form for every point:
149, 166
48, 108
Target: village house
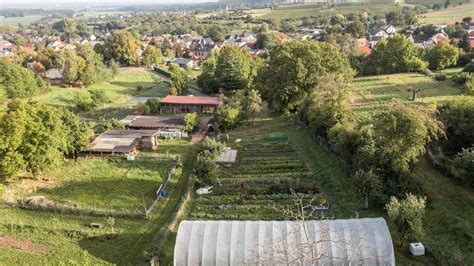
381, 32
184, 62
6, 48
184, 104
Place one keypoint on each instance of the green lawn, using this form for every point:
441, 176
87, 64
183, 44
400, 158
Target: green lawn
107, 183
68, 238
448, 16
375, 92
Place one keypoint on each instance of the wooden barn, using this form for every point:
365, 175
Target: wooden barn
185, 104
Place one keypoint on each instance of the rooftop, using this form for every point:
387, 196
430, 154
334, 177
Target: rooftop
155, 122
121, 141
191, 100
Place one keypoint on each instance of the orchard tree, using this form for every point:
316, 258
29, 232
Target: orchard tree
293, 71
327, 105
357, 29
207, 80
235, 68
394, 55
227, 117
78, 134
179, 80
369, 185
253, 103
71, 66
191, 121
407, 217
401, 135
152, 56
20, 82
458, 119
442, 55
94, 70
126, 48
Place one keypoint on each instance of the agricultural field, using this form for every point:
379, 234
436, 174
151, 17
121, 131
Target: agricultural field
269, 165
320, 10
40, 237
375, 92
13, 22
448, 16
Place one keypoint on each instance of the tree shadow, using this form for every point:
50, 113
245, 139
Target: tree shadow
107, 247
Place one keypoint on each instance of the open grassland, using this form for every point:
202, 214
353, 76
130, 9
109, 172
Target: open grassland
119, 90
107, 183
13, 22
374, 93
321, 10
448, 16
39, 238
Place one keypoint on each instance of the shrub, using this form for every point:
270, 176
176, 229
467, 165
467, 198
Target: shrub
462, 78
469, 68
152, 106
108, 124
98, 97
191, 122
205, 168
210, 148
469, 87
227, 117
464, 163
82, 101
440, 76
407, 217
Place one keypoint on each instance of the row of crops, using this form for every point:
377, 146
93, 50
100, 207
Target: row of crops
267, 174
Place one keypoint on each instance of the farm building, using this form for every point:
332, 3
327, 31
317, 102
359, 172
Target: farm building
124, 141
179, 104
167, 126
325, 242
153, 122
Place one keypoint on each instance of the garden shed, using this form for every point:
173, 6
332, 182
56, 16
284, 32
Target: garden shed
124, 141
364, 241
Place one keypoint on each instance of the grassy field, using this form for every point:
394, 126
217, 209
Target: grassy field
41, 238
107, 183
119, 90
13, 22
448, 16
375, 92
319, 10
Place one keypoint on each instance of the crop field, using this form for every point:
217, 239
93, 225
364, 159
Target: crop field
375, 92
448, 16
40, 237
269, 166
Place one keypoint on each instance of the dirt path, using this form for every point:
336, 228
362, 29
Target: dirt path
23, 245
201, 132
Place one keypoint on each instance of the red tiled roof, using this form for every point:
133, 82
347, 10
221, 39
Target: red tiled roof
364, 49
191, 100
471, 43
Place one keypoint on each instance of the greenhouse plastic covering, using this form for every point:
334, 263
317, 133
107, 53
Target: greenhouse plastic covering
325, 242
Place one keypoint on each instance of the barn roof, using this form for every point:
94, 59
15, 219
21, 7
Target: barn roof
325, 242
191, 100
154, 122
119, 141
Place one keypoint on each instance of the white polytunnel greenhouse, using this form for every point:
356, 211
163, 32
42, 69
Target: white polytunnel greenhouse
364, 241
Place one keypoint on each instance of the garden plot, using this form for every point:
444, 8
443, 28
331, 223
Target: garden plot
261, 182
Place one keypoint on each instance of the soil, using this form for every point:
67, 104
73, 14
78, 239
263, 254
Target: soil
23, 245
29, 184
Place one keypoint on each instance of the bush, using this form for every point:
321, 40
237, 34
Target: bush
108, 124
468, 88
464, 163
98, 97
82, 101
440, 76
469, 68
462, 78
205, 168
191, 122
407, 217
152, 106
226, 117
210, 148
